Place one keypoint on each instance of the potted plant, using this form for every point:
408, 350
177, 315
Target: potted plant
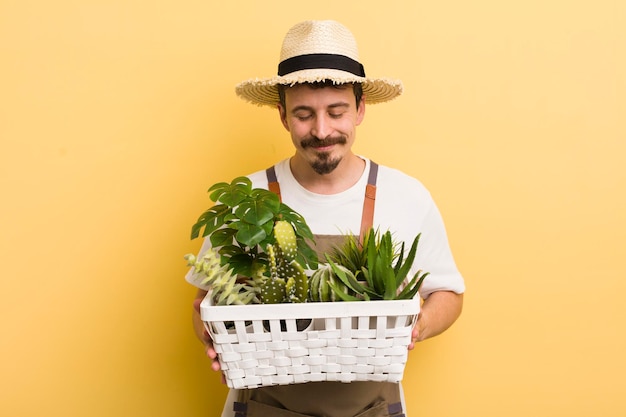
371, 269
259, 253
259, 250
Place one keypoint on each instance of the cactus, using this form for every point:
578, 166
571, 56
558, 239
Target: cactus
297, 286
286, 239
221, 280
273, 289
324, 284
287, 281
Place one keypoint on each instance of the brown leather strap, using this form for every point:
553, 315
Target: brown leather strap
367, 218
272, 182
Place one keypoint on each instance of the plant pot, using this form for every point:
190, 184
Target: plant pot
301, 325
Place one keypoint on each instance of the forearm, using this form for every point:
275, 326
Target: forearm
439, 311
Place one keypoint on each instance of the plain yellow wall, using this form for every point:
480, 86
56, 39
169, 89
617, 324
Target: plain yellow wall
116, 115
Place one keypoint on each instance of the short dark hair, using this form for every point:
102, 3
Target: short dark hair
357, 87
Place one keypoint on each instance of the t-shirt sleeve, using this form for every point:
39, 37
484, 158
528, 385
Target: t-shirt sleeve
435, 257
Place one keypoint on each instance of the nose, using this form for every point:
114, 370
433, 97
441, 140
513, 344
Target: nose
321, 128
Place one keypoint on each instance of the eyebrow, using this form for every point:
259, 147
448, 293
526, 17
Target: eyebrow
330, 106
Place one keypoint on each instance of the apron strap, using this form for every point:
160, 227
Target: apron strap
272, 182
367, 217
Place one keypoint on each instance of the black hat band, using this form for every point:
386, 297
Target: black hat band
326, 61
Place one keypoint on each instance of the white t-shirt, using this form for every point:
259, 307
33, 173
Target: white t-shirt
403, 206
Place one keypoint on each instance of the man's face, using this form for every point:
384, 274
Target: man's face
322, 123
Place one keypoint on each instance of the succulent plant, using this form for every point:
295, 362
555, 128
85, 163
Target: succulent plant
380, 278
225, 287
324, 285
351, 253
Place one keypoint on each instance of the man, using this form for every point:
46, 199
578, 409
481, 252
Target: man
321, 93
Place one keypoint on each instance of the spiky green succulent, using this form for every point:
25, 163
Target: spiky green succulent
383, 271
351, 253
225, 288
325, 285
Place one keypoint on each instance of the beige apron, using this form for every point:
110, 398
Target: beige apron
325, 399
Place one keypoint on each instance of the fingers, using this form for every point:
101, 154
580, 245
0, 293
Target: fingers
210, 352
215, 365
415, 333
196, 304
209, 349
203, 334
206, 338
414, 336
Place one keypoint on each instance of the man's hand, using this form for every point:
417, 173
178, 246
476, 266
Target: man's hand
416, 331
204, 336
439, 311
202, 333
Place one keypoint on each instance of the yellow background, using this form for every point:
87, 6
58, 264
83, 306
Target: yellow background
116, 115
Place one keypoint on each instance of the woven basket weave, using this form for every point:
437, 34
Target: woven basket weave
343, 342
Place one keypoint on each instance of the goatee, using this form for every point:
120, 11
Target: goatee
324, 164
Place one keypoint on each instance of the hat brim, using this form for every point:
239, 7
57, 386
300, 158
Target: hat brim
264, 91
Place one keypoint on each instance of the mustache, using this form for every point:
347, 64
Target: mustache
315, 142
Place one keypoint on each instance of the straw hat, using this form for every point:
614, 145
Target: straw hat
318, 50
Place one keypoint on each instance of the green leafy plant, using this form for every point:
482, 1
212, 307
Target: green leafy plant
352, 254
381, 271
241, 225
259, 247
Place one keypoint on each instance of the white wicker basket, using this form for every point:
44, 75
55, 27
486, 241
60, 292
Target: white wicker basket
345, 341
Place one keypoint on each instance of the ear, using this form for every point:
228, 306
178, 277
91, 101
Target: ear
282, 112
360, 113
